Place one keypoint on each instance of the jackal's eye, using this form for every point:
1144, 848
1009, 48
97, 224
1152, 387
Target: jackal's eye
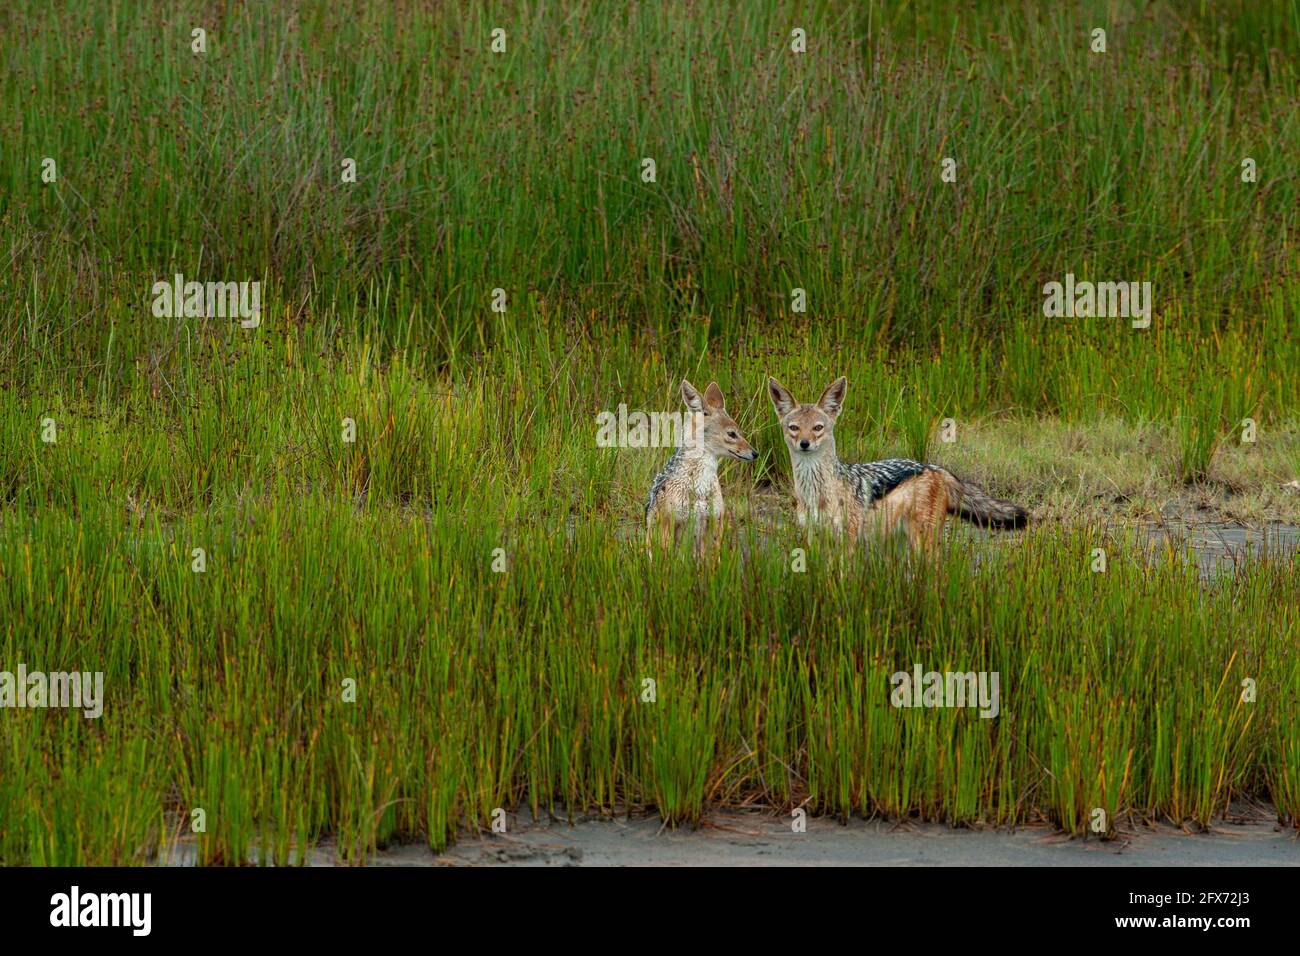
732, 435
793, 427
817, 427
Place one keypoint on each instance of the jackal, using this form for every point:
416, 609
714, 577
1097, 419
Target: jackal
687, 490
876, 496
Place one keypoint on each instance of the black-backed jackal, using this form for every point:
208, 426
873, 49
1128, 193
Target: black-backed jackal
876, 496
687, 492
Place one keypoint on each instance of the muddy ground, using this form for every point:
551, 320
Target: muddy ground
1250, 836
740, 838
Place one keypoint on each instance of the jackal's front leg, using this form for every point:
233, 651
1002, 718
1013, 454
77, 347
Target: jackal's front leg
707, 536
802, 519
718, 512
661, 531
701, 533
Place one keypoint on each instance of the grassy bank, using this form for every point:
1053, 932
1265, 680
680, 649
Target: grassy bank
478, 689
371, 560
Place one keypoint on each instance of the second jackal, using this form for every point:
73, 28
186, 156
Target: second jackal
687, 492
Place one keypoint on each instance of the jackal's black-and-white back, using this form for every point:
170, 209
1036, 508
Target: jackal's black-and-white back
872, 480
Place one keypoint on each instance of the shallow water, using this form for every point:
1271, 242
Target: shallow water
1217, 547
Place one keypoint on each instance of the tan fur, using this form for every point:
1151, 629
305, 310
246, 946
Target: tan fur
692, 495
825, 493
919, 505
922, 504
687, 493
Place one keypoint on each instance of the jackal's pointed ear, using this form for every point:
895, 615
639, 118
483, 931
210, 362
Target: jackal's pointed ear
692, 398
713, 398
782, 400
832, 399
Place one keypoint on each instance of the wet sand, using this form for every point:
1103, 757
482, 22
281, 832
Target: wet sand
738, 838
755, 838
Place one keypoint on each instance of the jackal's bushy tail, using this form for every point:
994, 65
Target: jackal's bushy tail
978, 507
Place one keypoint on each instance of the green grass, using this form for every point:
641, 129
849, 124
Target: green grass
478, 690
372, 561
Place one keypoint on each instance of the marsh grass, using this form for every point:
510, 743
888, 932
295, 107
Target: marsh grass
479, 690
